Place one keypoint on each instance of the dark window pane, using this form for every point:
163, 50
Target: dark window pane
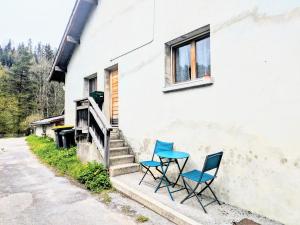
203, 57
183, 63
93, 84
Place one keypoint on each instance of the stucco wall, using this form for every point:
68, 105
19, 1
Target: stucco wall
38, 131
49, 132
251, 112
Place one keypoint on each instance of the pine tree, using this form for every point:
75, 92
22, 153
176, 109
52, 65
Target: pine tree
20, 84
25, 92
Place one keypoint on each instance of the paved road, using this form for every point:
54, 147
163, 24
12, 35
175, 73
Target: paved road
31, 194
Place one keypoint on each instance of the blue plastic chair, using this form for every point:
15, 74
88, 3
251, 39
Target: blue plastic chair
159, 146
212, 162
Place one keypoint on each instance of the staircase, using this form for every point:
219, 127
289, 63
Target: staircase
120, 160
93, 126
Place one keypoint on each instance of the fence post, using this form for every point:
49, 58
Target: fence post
88, 120
106, 148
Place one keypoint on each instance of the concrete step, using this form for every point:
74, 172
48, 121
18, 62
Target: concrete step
121, 159
124, 169
119, 151
145, 196
116, 143
115, 130
114, 136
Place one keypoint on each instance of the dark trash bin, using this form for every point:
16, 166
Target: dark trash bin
68, 138
98, 96
58, 137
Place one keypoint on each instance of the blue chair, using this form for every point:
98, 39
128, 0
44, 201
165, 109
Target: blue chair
212, 162
159, 146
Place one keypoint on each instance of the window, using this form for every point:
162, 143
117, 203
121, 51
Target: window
182, 63
187, 61
191, 60
92, 84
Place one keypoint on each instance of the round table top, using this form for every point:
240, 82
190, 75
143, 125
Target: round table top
173, 154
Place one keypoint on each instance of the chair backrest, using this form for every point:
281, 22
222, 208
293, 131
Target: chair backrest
212, 162
162, 146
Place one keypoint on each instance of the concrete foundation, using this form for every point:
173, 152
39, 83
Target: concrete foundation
88, 152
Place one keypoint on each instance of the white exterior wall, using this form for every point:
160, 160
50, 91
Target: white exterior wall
251, 111
38, 131
49, 132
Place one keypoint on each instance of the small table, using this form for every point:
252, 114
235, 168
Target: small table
171, 156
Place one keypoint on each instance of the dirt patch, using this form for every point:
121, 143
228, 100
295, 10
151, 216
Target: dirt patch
246, 222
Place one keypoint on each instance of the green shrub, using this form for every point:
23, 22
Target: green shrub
93, 175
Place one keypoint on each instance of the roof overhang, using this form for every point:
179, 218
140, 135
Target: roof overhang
71, 38
48, 121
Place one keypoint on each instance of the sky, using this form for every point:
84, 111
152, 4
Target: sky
41, 20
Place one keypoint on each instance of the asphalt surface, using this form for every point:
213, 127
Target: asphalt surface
31, 194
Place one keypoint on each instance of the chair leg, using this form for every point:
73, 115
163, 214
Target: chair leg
199, 200
192, 192
152, 174
162, 174
164, 178
213, 194
203, 189
144, 175
180, 169
187, 190
187, 197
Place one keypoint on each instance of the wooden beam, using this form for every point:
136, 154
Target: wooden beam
73, 40
97, 142
58, 69
100, 114
98, 121
193, 61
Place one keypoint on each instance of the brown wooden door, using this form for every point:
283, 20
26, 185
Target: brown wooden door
114, 80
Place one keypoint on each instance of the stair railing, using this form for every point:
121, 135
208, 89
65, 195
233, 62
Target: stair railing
91, 124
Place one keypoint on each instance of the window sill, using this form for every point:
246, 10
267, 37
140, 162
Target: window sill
188, 84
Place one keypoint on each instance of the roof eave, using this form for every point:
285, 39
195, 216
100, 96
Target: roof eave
71, 38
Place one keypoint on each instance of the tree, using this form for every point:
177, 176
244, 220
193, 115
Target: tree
24, 88
19, 83
49, 96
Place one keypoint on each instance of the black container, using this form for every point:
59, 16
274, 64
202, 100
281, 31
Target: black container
98, 96
58, 139
68, 138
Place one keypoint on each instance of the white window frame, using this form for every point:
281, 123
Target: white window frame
170, 84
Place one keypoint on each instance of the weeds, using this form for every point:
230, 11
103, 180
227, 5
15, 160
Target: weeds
105, 197
127, 210
93, 175
142, 219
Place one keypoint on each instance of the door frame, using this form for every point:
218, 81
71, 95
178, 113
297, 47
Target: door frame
107, 96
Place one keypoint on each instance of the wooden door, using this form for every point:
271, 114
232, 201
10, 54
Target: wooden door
114, 80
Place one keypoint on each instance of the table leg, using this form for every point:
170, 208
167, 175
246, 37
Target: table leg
180, 169
164, 178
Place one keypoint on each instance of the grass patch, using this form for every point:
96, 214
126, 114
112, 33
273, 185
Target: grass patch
105, 197
127, 210
93, 175
142, 219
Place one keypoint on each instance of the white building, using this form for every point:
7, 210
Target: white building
44, 127
207, 75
